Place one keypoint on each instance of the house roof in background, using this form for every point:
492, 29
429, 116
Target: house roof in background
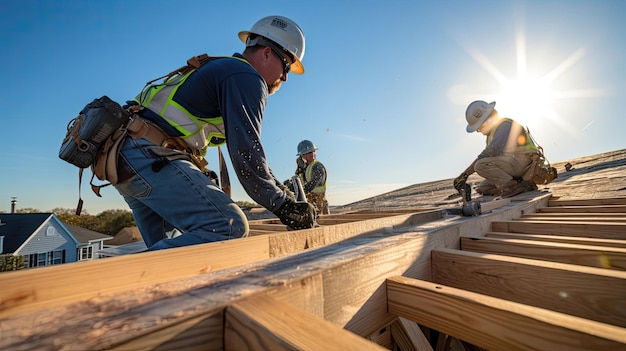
18, 227
83, 235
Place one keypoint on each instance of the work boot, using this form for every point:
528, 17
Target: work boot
518, 188
488, 190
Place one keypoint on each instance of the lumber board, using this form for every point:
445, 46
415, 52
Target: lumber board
203, 330
599, 215
497, 324
584, 209
598, 219
409, 336
398, 210
291, 242
268, 226
587, 202
32, 289
383, 337
263, 323
586, 292
605, 230
559, 239
585, 255
495, 204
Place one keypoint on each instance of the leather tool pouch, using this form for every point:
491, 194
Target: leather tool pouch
539, 170
90, 130
105, 164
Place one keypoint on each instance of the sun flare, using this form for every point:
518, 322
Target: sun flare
530, 99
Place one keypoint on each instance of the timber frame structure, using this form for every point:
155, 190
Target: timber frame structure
531, 273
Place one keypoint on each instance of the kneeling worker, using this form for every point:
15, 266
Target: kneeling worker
506, 156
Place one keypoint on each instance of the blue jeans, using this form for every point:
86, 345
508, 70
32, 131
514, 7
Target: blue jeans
175, 194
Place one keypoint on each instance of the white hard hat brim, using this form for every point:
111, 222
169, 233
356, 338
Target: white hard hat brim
296, 67
474, 127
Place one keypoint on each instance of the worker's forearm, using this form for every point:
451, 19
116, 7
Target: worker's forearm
470, 169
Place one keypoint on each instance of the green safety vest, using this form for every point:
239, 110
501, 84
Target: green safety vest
523, 143
199, 133
307, 177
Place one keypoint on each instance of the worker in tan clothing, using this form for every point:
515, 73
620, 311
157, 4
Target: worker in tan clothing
505, 157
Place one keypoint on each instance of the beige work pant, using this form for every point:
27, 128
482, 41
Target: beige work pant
499, 170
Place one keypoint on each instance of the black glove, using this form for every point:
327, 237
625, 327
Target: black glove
296, 215
301, 166
459, 182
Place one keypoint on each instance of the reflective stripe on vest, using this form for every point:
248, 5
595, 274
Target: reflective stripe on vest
307, 177
523, 143
199, 133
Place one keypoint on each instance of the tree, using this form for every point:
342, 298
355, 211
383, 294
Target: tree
10, 262
108, 222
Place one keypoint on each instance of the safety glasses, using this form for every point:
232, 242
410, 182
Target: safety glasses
286, 64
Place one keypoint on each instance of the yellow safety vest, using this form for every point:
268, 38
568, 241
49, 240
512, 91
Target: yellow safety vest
308, 175
198, 133
520, 143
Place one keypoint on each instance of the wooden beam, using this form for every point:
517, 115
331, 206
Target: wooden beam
585, 209
592, 256
599, 215
494, 323
591, 293
409, 336
495, 204
279, 227
32, 289
579, 218
287, 243
263, 323
559, 239
588, 202
606, 230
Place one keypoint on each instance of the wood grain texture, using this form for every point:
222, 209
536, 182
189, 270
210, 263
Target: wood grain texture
606, 230
584, 255
559, 239
33, 289
264, 323
591, 293
497, 324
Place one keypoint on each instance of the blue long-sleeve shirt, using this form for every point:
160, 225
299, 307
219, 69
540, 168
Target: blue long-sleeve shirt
234, 90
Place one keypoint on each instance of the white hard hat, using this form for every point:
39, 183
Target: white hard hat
306, 146
476, 114
283, 32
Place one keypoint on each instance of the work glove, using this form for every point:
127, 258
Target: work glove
301, 166
459, 182
296, 215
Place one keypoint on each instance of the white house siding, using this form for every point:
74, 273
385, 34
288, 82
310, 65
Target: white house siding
41, 242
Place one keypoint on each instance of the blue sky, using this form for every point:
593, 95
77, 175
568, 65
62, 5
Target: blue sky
383, 97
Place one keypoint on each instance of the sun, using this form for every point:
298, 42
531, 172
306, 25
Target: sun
526, 98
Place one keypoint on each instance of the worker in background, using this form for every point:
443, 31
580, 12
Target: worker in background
221, 102
313, 175
505, 157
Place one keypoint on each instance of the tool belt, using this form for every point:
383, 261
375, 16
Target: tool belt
138, 128
106, 165
539, 171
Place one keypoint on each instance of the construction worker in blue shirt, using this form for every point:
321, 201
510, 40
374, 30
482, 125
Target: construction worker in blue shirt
506, 156
161, 174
